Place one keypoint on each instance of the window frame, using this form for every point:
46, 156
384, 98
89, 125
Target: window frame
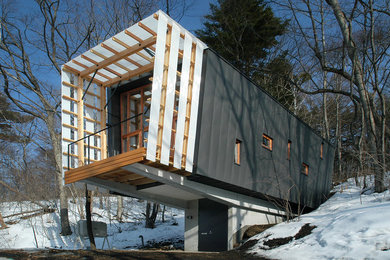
270, 142
289, 150
305, 169
237, 152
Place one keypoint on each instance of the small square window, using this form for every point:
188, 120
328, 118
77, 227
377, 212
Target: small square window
237, 152
267, 142
305, 169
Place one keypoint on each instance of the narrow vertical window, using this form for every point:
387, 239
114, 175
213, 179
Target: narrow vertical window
267, 142
237, 152
322, 151
288, 150
305, 169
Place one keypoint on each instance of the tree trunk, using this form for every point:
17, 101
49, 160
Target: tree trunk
151, 215
2, 223
89, 220
163, 215
361, 151
338, 131
325, 79
55, 140
357, 78
100, 200
119, 210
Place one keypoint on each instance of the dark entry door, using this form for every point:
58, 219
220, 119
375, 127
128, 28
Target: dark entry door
213, 226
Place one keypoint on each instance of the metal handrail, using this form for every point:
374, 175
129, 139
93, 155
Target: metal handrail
101, 130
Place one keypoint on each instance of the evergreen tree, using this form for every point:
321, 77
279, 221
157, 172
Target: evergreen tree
242, 32
276, 78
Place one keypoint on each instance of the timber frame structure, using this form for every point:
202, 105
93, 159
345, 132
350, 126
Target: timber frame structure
153, 113
156, 45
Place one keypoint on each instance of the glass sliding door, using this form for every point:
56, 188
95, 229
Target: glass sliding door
135, 106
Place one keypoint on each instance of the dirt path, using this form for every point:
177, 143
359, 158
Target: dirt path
118, 254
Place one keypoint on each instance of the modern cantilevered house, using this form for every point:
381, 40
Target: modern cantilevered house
154, 113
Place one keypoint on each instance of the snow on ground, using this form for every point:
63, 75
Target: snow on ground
46, 228
350, 225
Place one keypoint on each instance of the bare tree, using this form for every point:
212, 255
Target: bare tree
360, 50
151, 214
119, 209
34, 47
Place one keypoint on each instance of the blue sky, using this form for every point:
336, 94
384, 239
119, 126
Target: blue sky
193, 18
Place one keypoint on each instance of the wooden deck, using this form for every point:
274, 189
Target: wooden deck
111, 169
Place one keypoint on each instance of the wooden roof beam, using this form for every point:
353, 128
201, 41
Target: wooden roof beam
146, 28
126, 58
135, 37
77, 72
86, 67
127, 52
127, 46
130, 74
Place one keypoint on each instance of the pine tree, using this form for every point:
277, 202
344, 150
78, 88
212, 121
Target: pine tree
242, 32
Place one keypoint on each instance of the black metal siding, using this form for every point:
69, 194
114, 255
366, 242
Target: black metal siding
232, 107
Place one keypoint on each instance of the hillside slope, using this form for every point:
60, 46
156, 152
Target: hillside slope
350, 225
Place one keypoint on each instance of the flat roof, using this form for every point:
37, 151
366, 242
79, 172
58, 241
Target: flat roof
123, 56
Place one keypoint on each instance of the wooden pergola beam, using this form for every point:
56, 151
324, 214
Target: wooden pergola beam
133, 49
77, 73
130, 74
135, 37
127, 46
146, 28
86, 67
126, 58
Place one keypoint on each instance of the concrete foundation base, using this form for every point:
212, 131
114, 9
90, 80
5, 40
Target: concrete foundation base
239, 220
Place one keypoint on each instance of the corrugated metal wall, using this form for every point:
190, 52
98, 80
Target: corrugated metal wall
232, 107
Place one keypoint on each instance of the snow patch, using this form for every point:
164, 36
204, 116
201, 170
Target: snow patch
350, 225
124, 235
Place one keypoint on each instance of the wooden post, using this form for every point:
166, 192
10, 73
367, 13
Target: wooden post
163, 93
188, 107
80, 121
103, 135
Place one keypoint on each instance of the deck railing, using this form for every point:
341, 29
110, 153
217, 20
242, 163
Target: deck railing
119, 124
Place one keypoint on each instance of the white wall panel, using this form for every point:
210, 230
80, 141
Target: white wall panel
89, 126
65, 104
66, 90
156, 88
170, 95
185, 74
90, 100
194, 105
66, 132
66, 118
